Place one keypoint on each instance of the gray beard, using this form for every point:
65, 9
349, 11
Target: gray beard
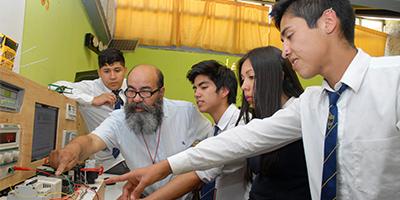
145, 122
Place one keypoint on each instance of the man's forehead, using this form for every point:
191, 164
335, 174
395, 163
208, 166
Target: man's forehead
141, 82
140, 85
142, 79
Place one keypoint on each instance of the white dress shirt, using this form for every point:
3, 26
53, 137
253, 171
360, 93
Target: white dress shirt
83, 92
368, 133
182, 124
230, 183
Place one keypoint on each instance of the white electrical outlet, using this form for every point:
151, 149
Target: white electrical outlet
68, 135
70, 112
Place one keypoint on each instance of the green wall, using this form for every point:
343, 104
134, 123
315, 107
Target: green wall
53, 41
53, 49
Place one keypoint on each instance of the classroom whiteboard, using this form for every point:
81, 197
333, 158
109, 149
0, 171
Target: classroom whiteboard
12, 24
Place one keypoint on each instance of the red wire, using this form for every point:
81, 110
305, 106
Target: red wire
17, 168
98, 170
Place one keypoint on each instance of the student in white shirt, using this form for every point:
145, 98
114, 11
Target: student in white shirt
215, 90
318, 39
97, 99
280, 174
147, 130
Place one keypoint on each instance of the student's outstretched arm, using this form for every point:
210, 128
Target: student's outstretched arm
139, 179
177, 187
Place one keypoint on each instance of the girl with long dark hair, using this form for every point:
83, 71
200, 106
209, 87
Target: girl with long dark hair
269, 83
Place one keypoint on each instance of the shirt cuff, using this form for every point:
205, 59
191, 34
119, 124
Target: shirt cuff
209, 175
203, 176
179, 163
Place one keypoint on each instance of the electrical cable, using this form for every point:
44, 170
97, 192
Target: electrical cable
70, 184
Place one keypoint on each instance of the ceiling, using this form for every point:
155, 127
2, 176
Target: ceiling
393, 5
375, 8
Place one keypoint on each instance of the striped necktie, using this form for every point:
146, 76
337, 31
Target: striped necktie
119, 102
328, 189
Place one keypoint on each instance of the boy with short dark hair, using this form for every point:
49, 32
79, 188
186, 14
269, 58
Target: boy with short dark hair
98, 98
349, 125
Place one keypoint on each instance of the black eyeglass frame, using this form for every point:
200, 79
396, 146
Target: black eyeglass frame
150, 93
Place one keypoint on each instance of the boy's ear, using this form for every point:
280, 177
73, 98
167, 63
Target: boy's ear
330, 20
224, 91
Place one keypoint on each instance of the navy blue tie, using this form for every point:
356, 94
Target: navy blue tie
328, 188
207, 190
119, 102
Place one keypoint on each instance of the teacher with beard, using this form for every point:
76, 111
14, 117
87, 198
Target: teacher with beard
149, 128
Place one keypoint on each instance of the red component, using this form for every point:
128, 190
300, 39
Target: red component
17, 168
98, 170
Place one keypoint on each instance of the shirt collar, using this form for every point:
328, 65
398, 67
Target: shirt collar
124, 86
226, 117
354, 74
165, 109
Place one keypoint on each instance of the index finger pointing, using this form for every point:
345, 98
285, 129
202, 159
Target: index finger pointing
60, 168
120, 178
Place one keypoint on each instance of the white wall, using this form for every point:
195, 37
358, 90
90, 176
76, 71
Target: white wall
12, 23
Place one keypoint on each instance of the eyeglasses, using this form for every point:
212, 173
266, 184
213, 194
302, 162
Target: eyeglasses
131, 93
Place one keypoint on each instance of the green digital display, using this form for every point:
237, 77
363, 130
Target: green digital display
10, 97
6, 93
